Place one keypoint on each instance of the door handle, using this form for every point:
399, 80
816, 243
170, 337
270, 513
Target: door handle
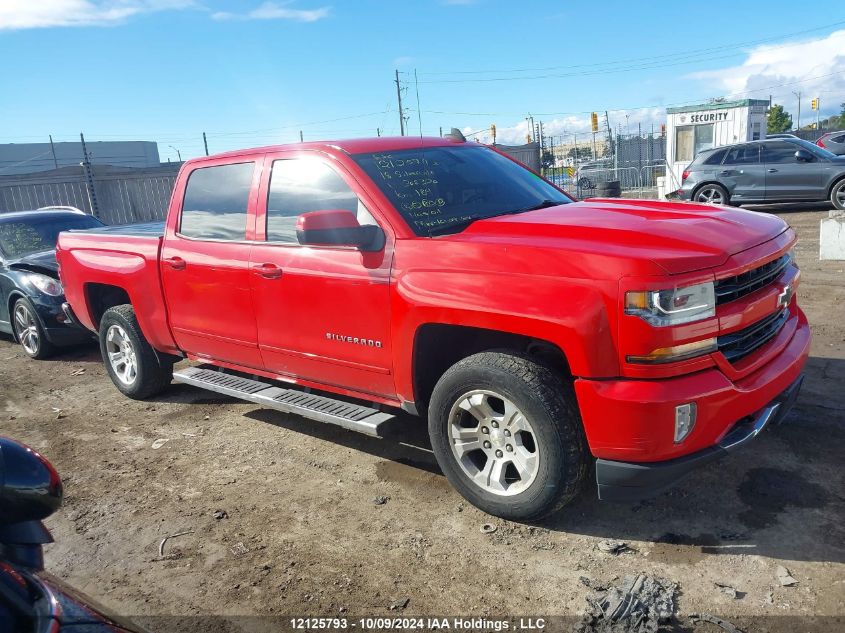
268, 271
176, 263
771, 171
726, 172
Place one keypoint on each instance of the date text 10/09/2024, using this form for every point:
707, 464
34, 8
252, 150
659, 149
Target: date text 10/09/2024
417, 623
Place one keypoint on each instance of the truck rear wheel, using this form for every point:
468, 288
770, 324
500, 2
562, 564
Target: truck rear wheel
507, 435
132, 363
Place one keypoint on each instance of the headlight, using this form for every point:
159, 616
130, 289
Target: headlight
673, 307
45, 284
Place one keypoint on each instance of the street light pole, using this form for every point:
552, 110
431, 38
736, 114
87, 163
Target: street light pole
798, 94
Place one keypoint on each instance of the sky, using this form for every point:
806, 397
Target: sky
256, 72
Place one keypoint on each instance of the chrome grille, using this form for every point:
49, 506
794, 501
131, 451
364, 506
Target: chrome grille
737, 345
745, 283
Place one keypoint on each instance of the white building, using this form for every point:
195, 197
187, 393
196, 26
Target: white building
693, 129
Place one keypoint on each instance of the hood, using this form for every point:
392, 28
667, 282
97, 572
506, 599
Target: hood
44, 262
678, 236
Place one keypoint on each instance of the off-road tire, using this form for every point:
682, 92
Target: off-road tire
546, 399
42, 348
154, 372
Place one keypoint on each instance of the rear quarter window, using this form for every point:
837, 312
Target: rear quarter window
715, 158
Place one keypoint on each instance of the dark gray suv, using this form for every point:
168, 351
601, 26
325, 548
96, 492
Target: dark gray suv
774, 170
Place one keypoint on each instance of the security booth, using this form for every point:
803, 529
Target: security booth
693, 129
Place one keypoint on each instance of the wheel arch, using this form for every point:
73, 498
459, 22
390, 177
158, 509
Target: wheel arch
834, 183
701, 185
438, 346
100, 297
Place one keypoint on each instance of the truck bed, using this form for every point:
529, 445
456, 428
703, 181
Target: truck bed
120, 257
147, 229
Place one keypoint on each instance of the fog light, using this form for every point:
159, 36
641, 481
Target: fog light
684, 420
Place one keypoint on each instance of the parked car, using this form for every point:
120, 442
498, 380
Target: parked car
443, 278
778, 170
782, 135
32, 601
589, 174
833, 142
31, 296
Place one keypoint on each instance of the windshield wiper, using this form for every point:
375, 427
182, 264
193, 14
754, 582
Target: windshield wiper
460, 225
544, 204
456, 227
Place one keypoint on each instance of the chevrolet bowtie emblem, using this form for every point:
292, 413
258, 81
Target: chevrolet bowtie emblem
785, 296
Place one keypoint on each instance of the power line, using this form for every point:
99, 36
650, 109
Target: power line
662, 56
648, 107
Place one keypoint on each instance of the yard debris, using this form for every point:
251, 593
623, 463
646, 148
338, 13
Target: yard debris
488, 528
167, 538
613, 547
770, 598
78, 372
220, 514
159, 443
727, 589
784, 577
639, 604
59, 413
706, 617
239, 549
381, 500
592, 584
400, 604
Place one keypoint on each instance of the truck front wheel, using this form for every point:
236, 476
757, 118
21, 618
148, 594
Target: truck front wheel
506, 432
132, 363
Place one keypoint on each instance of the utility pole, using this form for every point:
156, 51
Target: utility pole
301, 137
378, 131
399, 99
798, 94
89, 178
53, 149
205, 142
419, 112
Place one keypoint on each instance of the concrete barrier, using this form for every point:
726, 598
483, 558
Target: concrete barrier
832, 237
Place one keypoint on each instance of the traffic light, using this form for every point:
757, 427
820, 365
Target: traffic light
594, 120
815, 103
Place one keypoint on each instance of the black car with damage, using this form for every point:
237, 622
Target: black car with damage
31, 296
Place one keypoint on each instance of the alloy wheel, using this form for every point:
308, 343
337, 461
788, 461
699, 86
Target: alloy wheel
710, 195
121, 355
493, 442
26, 329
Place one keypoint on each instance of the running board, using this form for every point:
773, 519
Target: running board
353, 417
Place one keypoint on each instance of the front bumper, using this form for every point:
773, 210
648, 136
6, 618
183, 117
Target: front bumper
627, 481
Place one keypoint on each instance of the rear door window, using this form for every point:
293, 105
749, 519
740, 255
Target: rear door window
779, 153
743, 155
216, 201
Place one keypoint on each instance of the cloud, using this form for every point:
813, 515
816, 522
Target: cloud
577, 126
32, 14
814, 67
276, 11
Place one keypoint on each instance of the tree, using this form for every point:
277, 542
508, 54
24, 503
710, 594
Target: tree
778, 120
842, 117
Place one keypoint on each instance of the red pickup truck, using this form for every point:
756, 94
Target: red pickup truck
344, 281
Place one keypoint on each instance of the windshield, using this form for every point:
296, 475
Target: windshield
443, 189
25, 236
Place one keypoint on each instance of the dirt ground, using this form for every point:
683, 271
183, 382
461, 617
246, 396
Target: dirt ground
302, 533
